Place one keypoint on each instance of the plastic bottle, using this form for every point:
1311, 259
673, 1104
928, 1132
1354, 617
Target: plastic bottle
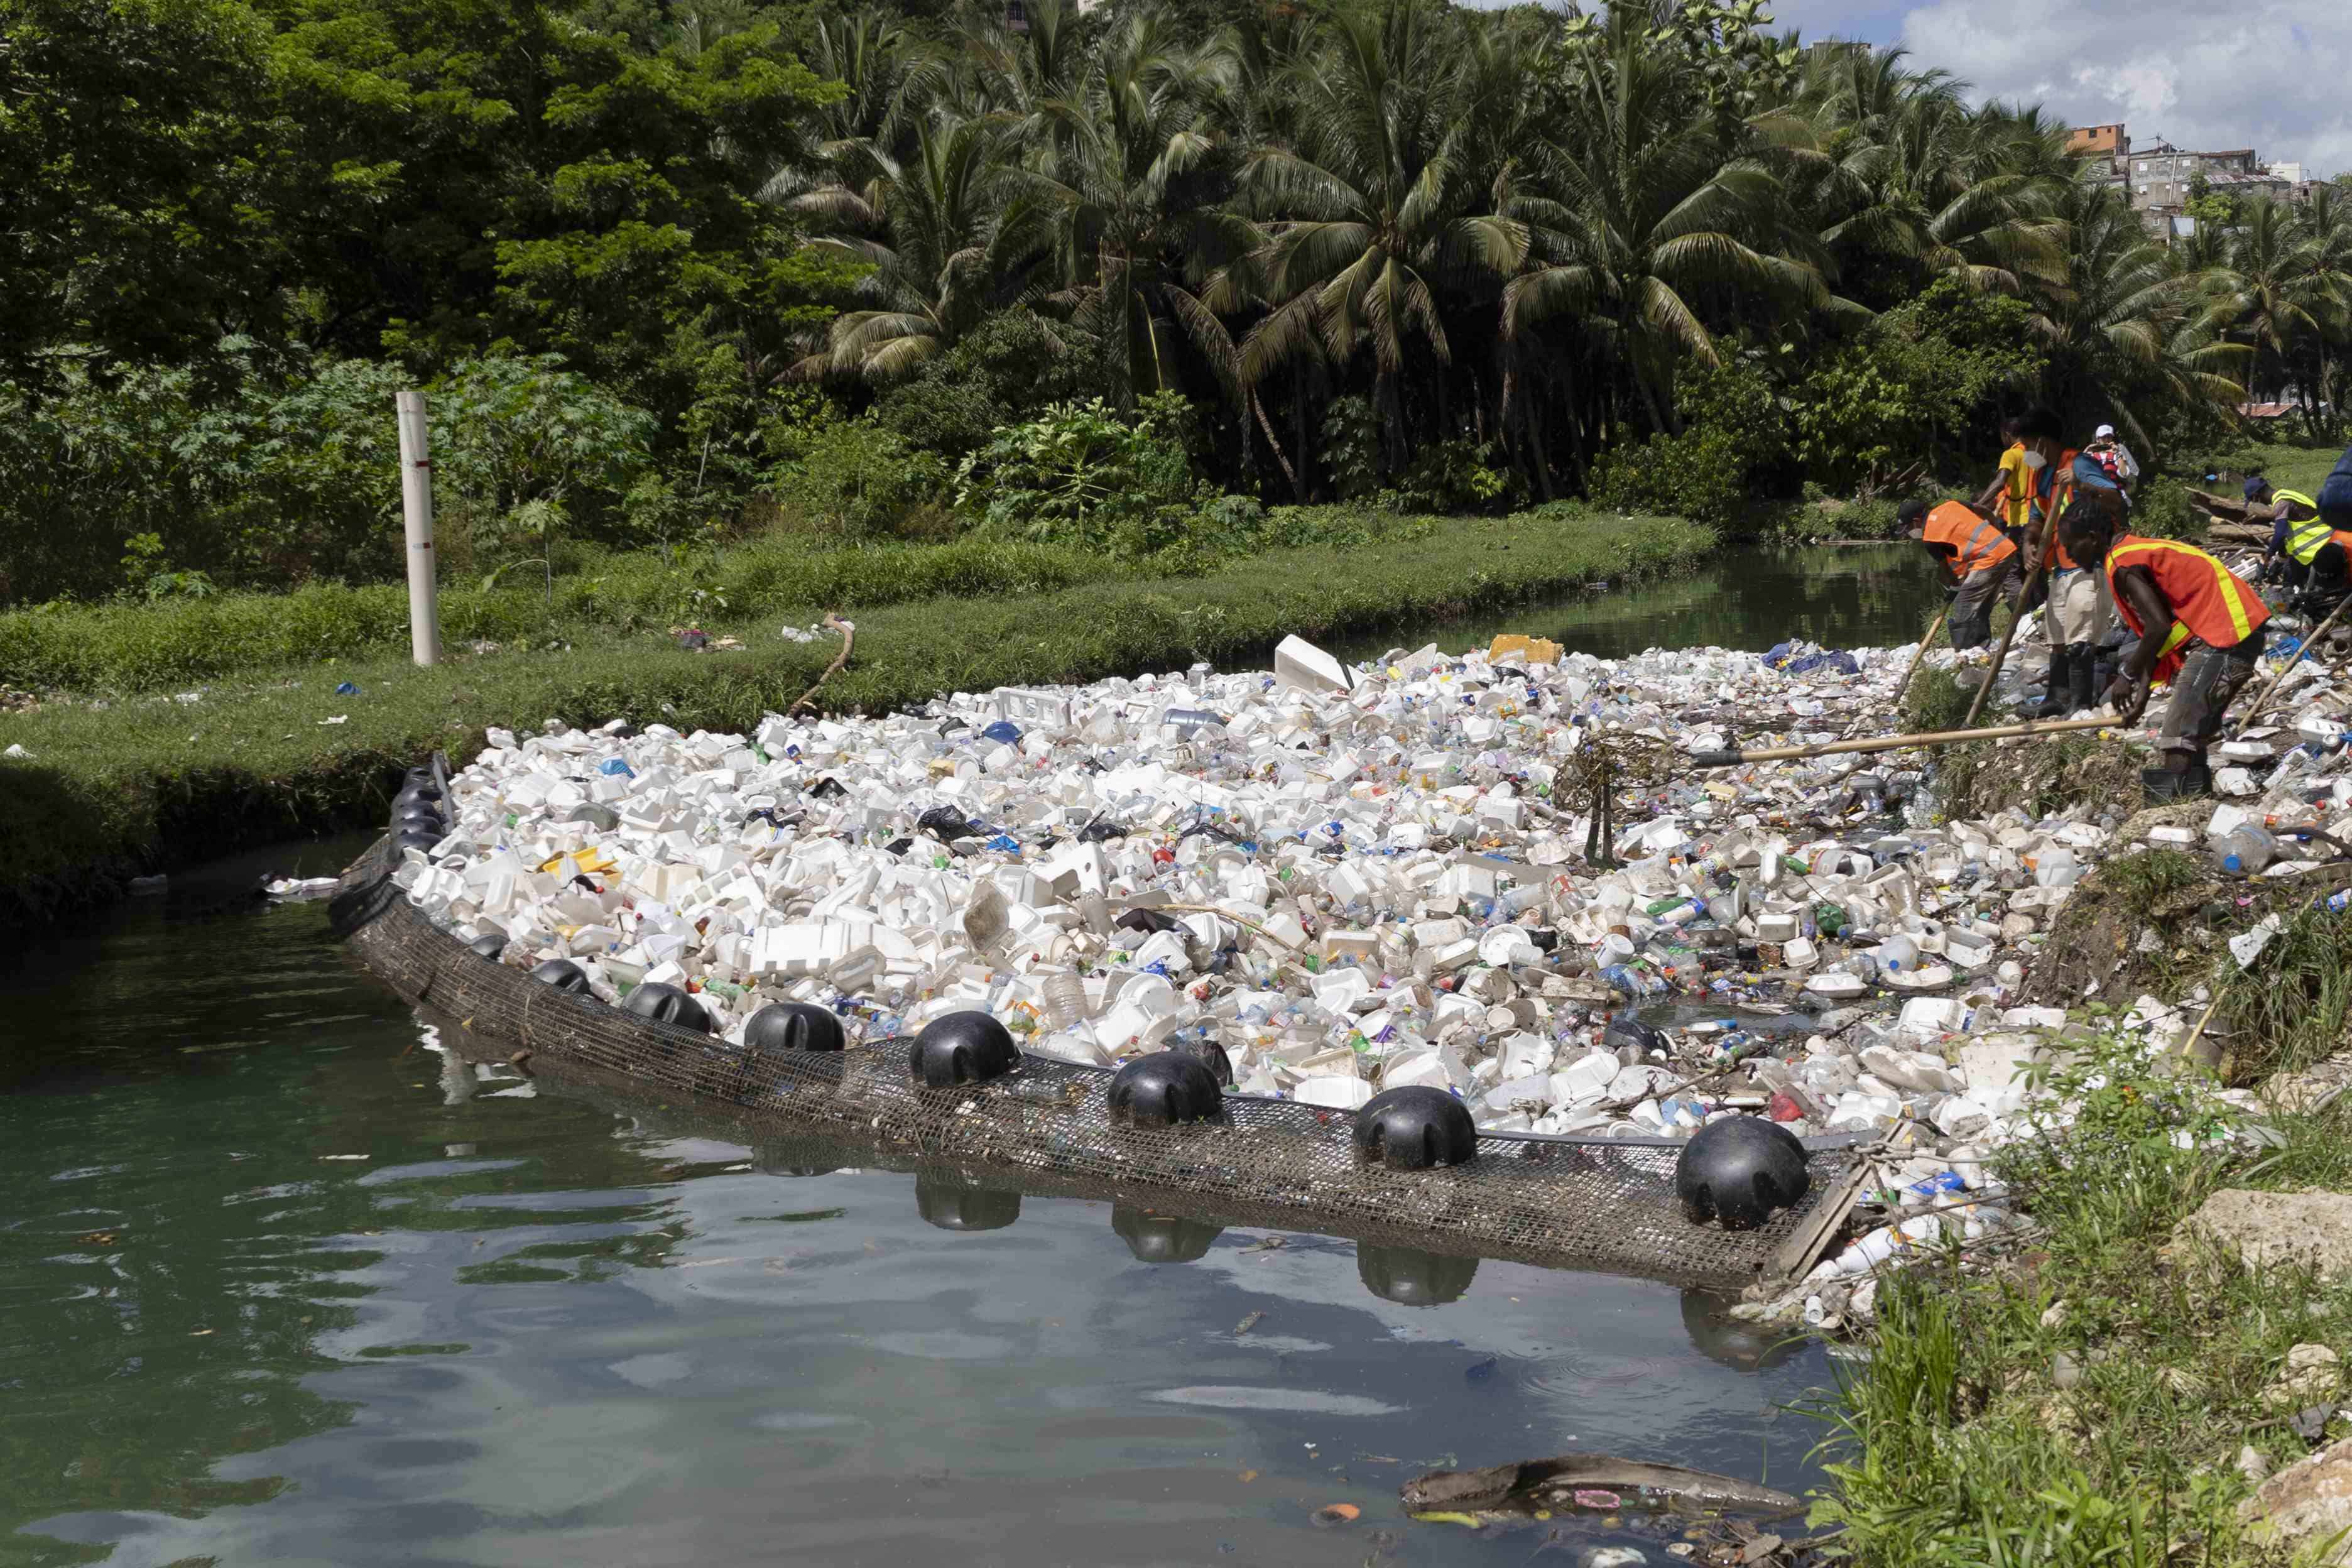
1898, 953
1066, 1000
2246, 850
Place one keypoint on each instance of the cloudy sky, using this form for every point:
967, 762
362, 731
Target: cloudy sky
2203, 74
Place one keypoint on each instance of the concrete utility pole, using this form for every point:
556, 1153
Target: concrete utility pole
417, 511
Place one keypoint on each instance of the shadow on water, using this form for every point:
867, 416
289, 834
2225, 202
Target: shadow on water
280, 1280
1843, 596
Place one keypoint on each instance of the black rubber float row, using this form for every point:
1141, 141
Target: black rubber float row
1736, 1172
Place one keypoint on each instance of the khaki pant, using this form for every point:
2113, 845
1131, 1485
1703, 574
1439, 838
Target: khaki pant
1971, 622
2079, 610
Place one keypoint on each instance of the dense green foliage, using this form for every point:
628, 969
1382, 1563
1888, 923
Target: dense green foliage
674, 274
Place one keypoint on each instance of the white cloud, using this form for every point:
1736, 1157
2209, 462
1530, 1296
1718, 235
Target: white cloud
2257, 73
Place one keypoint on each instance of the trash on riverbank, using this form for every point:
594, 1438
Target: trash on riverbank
1339, 880
1562, 1482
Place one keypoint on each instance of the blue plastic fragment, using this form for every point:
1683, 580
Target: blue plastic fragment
347, 690
613, 767
1004, 731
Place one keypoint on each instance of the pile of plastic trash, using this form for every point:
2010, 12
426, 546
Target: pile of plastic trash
1351, 880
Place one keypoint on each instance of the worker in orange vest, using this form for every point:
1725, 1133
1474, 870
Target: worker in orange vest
1976, 553
2078, 613
2200, 628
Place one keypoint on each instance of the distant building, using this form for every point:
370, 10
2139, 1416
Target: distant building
2098, 142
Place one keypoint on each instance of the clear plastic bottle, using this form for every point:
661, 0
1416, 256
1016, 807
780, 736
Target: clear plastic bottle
1066, 1000
2246, 850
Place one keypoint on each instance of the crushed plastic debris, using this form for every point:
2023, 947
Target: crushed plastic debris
1352, 880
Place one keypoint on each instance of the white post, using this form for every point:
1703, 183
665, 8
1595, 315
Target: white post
417, 511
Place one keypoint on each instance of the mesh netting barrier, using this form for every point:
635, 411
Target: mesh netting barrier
1586, 1201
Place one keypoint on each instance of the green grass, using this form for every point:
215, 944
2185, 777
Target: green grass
1955, 1443
2290, 466
122, 648
147, 781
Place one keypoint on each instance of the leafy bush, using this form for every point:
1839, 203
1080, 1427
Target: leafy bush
1078, 473
1733, 447
1455, 476
1696, 475
1885, 401
1010, 366
287, 474
855, 480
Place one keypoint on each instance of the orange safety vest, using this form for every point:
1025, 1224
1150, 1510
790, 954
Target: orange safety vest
2056, 487
2207, 599
1976, 544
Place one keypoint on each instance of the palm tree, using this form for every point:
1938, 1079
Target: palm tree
1893, 166
1136, 211
2125, 331
1637, 216
942, 240
2285, 285
1381, 204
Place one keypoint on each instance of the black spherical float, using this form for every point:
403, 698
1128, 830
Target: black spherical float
1163, 1090
666, 1004
563, 974
1213, 1056
794, 1027
1164, 1237
417, 838
1411, 1278
1738, 1171
1415, 1127
953, 1205
961, 1047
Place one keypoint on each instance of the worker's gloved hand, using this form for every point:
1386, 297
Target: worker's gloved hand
2127, 695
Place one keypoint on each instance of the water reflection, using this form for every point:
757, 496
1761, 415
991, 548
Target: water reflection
1873, 595
1164, 1237
1411, 1278
953, 1203
330, 1295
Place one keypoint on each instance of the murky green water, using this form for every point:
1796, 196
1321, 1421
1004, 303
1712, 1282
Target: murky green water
278, 1285
1842, 596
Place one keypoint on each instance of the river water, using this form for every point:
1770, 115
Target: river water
278, 1283
1854, 595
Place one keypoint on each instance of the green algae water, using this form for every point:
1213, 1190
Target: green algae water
281, 1282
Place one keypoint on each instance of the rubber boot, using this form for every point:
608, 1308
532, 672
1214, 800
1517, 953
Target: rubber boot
2057, 698
2183, 776
2081, 684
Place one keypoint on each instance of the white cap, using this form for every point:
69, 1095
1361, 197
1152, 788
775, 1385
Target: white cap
2101, 432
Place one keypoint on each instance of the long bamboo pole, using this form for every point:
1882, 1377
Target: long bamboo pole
2310, 640
2016, 614
1901, 743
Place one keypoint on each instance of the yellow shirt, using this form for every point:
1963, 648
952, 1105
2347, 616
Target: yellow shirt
2017, 501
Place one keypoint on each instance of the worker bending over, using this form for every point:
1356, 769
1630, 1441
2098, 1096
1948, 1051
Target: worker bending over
2200, 627
1976, 553
2302, 553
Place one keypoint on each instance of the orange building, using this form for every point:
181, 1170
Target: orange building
2099, 142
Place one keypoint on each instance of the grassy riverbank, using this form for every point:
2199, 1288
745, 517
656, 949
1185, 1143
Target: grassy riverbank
2086, 1400
154, 780
2084, 1388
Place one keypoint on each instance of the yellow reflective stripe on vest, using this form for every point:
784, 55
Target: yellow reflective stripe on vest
1973, 552
2295, 496
2225, 585
2172, 639
2304, 540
